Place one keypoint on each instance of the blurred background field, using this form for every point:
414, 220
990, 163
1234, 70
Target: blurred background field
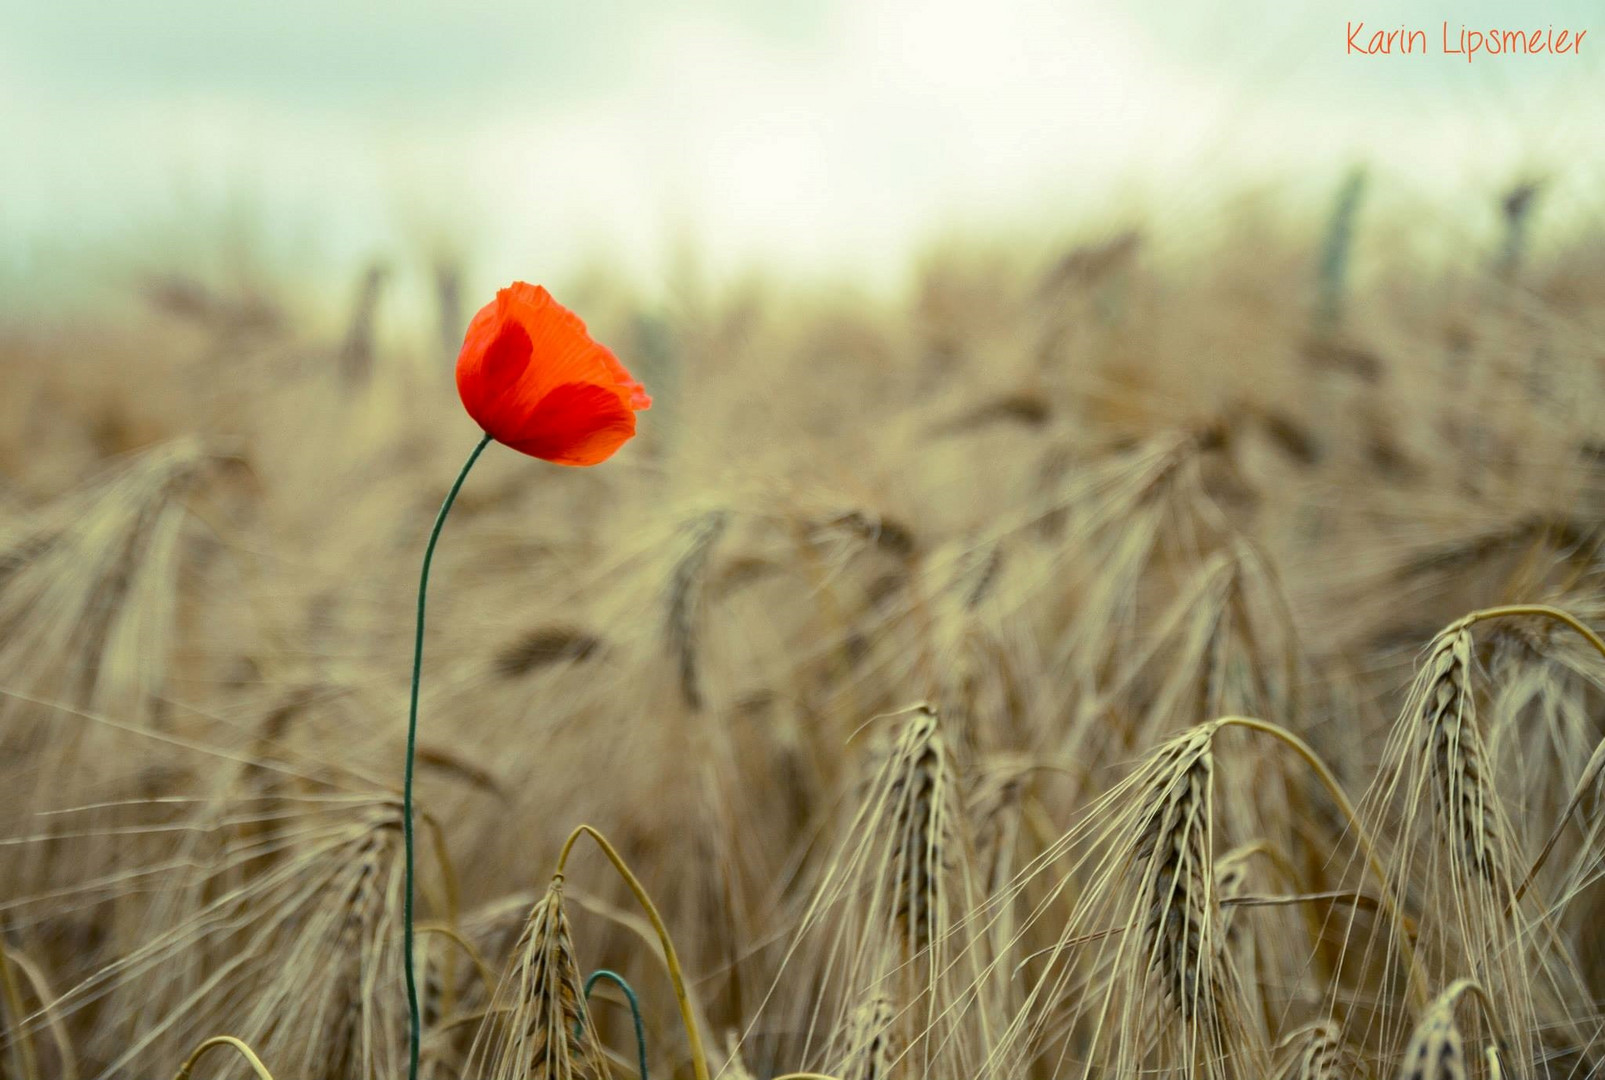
1085, 373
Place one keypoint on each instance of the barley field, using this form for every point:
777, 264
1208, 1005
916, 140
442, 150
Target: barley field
1104, 661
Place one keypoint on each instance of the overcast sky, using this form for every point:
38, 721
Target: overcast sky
818, 133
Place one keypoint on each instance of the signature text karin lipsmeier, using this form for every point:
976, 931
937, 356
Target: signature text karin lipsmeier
1406, 41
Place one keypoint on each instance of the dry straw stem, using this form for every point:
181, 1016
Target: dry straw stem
671, 959
734, 1068
22, 1046
13, 960
1590, 776
451, 934
213, 1043
1362, 837
1539, 610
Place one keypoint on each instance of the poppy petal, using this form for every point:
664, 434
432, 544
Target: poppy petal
577, 424
488, 373
633, 391
561, 338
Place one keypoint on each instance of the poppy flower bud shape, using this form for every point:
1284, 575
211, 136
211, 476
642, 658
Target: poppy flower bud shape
532, 378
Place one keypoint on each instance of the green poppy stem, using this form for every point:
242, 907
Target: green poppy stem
415, 1033
635, 1013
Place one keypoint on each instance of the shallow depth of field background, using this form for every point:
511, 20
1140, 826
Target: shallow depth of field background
1084, 371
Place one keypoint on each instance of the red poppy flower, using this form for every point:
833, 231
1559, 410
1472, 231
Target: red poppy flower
532, 377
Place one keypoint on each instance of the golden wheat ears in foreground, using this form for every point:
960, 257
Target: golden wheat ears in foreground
1107, 668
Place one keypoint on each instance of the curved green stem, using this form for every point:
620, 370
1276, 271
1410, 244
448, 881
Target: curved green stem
671, 959
635, 1010
415, 1031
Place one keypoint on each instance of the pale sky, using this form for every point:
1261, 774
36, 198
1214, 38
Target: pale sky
833, 135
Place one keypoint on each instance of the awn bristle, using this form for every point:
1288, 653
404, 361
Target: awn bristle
364, 906
734, 1067
538, 1027
1115, 515
340, 1021
887, 917
302, 961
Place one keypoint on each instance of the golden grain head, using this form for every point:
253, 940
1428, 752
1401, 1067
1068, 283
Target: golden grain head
539, 1027
1087, 496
